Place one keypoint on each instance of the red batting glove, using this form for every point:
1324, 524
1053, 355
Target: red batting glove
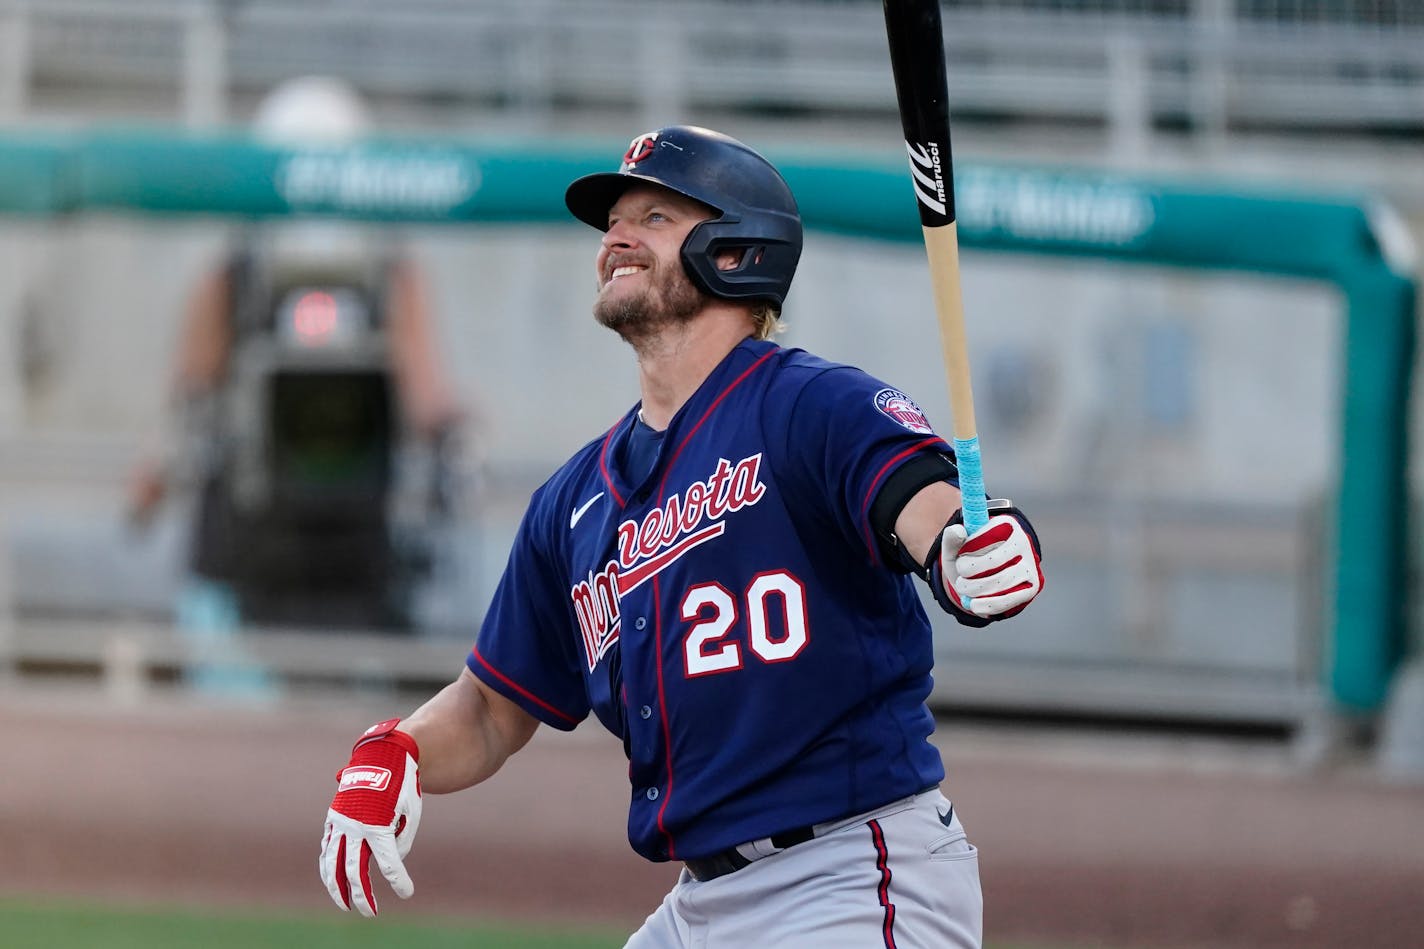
375, 812
998, 570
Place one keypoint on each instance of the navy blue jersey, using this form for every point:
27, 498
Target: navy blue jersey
725, 611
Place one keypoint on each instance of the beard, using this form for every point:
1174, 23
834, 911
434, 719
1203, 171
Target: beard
668, 299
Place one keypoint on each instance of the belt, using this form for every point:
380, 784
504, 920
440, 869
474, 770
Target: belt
732, 860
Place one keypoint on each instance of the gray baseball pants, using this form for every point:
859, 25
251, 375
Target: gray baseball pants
903, 876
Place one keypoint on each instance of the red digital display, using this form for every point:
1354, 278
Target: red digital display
314, 317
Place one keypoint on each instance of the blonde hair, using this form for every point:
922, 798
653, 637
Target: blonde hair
766, 317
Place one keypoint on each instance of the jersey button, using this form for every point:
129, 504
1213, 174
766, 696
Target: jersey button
640, 622
646, 712
652, 794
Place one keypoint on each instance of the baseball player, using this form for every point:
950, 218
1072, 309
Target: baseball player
725, 578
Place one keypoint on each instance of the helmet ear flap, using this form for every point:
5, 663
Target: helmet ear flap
762, 272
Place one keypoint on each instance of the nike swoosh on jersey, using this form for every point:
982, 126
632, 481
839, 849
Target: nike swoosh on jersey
581, 510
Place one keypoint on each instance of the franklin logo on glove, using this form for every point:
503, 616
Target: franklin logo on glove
370, 779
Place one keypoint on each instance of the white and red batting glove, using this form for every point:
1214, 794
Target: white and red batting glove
991, 575
375, 813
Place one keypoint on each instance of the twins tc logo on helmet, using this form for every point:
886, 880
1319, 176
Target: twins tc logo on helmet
903, 409
640, 148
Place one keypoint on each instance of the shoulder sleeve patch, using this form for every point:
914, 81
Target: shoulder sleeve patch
900, 407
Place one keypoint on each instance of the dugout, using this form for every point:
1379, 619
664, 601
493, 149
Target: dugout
1339, 633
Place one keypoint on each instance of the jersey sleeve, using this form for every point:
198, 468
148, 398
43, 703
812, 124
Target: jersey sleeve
846, 432
525, 650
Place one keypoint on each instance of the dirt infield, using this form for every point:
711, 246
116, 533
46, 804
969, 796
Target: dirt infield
1085, 840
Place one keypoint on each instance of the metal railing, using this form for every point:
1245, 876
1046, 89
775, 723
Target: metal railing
1215, 64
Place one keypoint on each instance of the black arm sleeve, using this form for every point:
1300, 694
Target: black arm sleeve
903, 484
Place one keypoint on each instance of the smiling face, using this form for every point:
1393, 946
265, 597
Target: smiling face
642, 285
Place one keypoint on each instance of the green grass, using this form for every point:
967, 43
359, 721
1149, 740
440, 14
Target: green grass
52, 925
69, 925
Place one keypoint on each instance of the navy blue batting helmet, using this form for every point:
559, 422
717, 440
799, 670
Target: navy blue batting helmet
757, 214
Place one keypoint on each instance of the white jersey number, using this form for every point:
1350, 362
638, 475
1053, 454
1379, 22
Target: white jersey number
713, 612
704, 650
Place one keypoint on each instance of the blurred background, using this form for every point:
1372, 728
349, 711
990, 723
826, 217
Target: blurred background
292, 321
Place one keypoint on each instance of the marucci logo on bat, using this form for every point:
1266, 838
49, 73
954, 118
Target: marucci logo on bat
928, 173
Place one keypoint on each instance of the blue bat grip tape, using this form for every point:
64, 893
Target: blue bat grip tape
975, 502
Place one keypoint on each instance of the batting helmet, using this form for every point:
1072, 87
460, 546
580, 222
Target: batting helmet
757, 214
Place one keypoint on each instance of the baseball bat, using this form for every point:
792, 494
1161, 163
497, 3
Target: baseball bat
921, 88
